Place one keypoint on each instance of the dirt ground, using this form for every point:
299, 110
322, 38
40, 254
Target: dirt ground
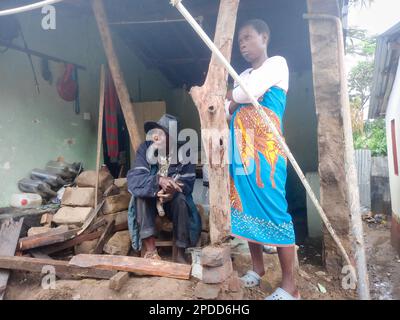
383, 262
313, 281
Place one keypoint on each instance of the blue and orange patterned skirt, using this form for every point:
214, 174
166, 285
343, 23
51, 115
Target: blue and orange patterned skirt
258, 175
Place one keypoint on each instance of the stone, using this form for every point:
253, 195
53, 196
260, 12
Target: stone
119, 244
215, 256
234, 283
78, 197
117, 281
119, 217
71, 215
121, 183
88, 179
86, 247
38, 230
112, 190
207, 291
116, 203
46, 219
217, 274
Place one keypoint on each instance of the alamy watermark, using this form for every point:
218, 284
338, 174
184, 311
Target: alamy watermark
49, 19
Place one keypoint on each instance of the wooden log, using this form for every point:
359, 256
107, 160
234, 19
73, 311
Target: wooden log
133, 264
79, 239
104, 236
62, 268
55, 235
117, 281
116, 72
9, 234
209, 100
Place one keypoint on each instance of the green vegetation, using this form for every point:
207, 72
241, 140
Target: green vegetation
373, 137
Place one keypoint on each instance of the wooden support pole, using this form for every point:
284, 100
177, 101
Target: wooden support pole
209, 100
99, 131
116, 72
339, 188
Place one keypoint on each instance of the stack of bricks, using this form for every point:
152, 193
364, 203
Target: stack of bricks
219, 281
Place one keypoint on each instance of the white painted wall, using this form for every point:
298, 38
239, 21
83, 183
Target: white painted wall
393, 112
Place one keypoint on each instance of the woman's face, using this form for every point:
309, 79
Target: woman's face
252, 44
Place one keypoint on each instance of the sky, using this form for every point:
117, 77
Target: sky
377, 18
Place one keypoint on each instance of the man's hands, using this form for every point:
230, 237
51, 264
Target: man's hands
168, 185
168, 188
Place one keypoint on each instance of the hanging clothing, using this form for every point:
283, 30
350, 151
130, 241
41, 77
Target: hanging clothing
257, 163
111, 105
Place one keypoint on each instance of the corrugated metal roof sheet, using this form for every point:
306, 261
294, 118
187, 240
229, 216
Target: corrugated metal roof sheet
385, 65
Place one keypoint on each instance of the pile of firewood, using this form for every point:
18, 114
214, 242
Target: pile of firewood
82, 225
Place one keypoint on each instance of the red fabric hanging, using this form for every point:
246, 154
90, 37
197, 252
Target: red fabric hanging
111, 105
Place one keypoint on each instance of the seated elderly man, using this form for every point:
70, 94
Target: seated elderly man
160, 185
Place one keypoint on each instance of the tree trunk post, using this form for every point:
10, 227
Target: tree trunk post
209, 100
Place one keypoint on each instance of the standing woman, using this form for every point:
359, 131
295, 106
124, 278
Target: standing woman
258, 165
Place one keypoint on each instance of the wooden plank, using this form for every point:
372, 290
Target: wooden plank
93, 214
9, 234
209, 100
55, 235
104, 237
100, 129
62, 268
79, 239
133, 264
116, 72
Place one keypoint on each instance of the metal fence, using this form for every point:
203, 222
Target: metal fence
363, 163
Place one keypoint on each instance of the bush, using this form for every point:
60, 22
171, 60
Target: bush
373, 137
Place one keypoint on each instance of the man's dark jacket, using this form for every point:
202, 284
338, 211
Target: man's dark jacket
143, 183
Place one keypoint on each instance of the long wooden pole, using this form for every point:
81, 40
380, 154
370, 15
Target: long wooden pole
99, 130
116, 72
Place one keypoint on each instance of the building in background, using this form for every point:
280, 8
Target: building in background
385, 102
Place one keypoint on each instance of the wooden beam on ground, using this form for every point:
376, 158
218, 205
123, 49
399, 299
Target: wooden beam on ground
62, 268
103, 238
133, 264
79, 239
9, 234
116, 72
209, 100
55, 235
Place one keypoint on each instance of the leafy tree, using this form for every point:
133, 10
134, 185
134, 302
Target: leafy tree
373, 137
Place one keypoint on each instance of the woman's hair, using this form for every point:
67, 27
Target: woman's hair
259, 25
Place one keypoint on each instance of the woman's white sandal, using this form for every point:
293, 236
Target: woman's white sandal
280, 294
251, 279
